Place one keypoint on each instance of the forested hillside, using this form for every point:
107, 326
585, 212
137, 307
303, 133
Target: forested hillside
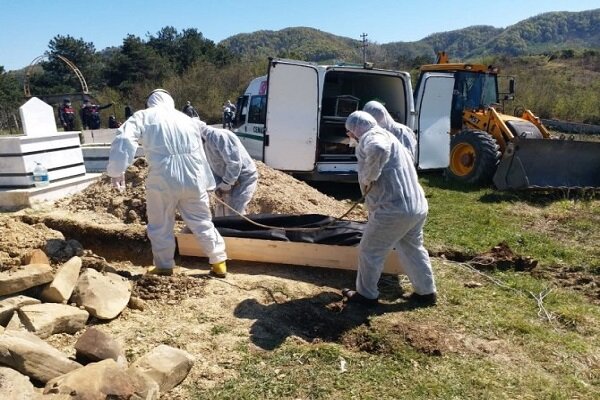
543, 33
555, 58
298, 43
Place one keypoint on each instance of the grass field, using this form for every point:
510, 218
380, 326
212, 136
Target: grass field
497, 333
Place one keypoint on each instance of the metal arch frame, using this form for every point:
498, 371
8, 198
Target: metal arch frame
38, 59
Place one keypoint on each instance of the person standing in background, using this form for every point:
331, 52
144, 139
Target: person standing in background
66, 115
190, 111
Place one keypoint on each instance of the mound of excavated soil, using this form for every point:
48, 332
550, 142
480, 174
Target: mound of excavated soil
17, 239
500, 257
101, 197
277, 193
172, 288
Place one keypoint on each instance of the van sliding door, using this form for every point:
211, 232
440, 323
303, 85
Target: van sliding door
292, 116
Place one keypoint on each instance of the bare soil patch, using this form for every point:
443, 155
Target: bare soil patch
500, 257
170, 289
573, 278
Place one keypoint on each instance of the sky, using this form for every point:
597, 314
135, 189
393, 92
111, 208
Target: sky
27, 26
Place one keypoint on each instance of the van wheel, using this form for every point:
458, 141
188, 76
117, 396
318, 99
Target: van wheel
474, 157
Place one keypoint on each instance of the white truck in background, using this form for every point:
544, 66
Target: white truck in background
293, 119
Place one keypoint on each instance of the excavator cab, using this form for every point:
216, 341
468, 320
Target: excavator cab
472, 91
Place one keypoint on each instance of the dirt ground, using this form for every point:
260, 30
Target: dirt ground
209, 317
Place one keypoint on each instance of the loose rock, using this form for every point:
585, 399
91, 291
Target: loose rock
103, 380
103, 295
21, 278
31, 356
9, 305
65, 279
95, 345
14, 385
50, 318
166, 365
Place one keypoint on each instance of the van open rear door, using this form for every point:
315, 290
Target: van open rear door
434, 101
292, 116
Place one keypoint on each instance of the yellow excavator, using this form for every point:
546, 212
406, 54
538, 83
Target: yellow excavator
515, 152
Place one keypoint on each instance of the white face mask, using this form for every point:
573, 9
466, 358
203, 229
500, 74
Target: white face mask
353, 142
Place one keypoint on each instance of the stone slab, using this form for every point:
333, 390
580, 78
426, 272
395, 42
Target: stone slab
166, 365
25, 181
105, 136
95, 156
8, 305
16, 164
31, 356
14, 199
65, 279
37, 118
14, 385
24, 277
47, 319
27, 144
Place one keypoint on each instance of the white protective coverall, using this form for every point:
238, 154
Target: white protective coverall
233, 169
403, 133
397, 208
178, 178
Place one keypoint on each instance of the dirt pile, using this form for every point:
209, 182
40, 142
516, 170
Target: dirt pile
500, 257
277, 193
17, 239
280, 193
102, 198
171, 289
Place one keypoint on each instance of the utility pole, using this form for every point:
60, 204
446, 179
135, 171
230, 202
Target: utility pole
364, 46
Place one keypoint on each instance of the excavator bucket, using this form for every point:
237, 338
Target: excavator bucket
549, 163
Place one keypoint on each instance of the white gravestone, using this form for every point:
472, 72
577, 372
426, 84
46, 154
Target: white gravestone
37, 118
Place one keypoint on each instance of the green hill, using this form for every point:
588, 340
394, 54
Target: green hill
549, 32
304, 43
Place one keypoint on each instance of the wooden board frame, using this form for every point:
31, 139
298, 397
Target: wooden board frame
294, 253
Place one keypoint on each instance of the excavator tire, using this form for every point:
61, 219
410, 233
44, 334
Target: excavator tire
474, 157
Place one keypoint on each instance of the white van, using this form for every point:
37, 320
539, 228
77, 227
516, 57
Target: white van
293, 118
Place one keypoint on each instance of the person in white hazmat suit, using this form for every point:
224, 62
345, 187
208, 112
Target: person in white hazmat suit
178, 179
397, 212
403, 133
233, 169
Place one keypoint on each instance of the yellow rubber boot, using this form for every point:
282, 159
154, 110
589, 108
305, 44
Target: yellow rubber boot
159, 271
219, 269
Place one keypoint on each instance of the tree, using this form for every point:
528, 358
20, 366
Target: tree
187, 48
10, 96
58, 76
136, 63
10, 90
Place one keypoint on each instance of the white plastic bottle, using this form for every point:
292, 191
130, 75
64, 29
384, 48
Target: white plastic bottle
40, 175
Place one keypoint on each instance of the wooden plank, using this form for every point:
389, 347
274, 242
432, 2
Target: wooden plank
294, 253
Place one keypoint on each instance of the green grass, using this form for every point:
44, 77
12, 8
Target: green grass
492, 342
502, 350
548, 227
